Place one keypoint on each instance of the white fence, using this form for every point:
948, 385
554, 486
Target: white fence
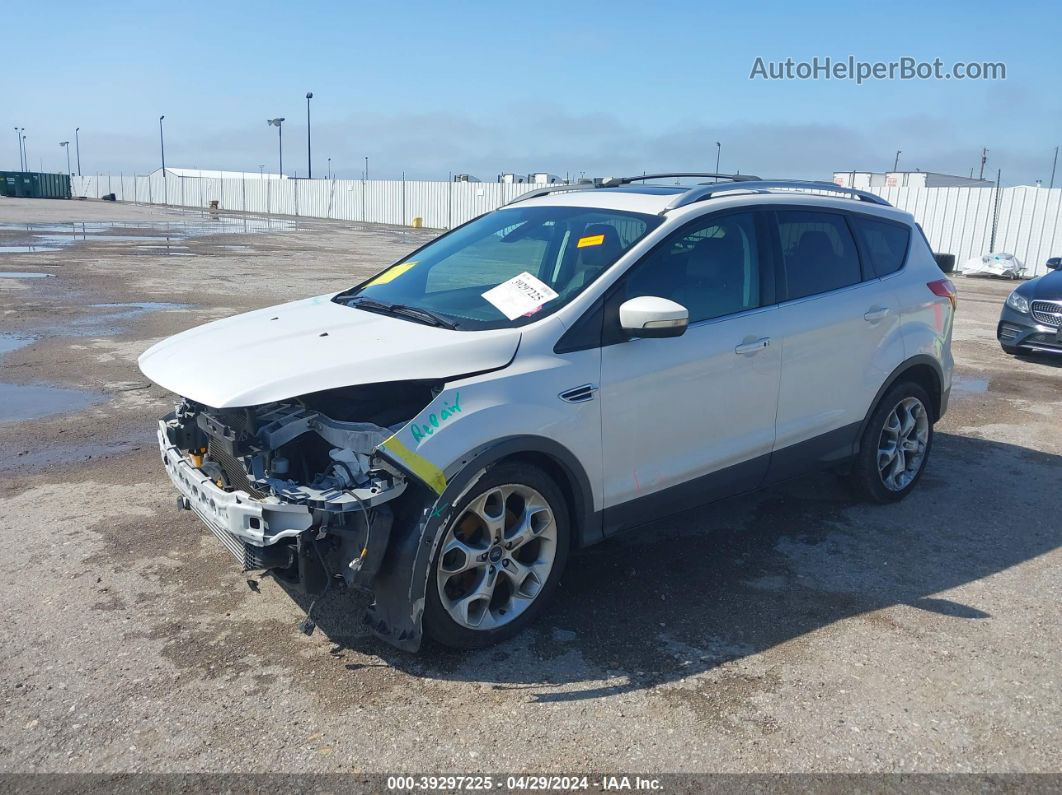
439, 205
959, 221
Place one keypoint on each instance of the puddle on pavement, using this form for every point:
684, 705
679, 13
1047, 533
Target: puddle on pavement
30, 401
968, 385
12, 342
156, 237
26, 249
23, 275
109, 319
34, 401
59, 455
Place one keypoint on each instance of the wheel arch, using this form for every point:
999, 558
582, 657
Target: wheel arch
562, 467
923, 370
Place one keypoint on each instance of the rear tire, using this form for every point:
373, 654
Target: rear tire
895, 446
500, 558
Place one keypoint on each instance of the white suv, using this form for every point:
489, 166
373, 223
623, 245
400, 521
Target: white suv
582, 361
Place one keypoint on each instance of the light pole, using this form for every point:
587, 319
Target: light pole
21, 162
366, 168
77, 145
280, 139
984, 159
330, 168
309, 162
162, 144
66, 146
896, 162
1054, 165
25, 152
718, 151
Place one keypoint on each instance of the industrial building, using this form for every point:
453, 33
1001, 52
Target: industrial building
208, 173
906, 179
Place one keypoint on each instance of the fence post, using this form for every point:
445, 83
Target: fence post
450, 204
995, 213
403, 199
243, 193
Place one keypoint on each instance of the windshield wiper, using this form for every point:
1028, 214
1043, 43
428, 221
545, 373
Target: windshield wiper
411, 312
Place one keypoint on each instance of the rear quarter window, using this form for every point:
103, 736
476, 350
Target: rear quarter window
884, 244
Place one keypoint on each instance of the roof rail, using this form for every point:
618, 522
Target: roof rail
612, 182
697, 193
534, 194
702, 192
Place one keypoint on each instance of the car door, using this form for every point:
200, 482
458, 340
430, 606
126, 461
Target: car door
691, 418
837, 328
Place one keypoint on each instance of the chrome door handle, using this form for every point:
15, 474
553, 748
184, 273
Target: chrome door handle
875, 313
746, 348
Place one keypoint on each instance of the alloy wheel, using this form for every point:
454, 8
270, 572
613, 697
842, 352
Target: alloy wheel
903, 443
496, 557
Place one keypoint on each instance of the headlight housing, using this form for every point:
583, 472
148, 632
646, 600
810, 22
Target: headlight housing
1018, 302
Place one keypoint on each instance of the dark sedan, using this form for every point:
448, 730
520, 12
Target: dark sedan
1032, 316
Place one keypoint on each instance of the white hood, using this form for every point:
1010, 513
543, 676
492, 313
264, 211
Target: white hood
310, 345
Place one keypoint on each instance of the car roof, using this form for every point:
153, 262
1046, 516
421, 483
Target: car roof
654, 199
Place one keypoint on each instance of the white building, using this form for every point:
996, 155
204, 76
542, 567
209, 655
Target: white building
905, 179
215, 174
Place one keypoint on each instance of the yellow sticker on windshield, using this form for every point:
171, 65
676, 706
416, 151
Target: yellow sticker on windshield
391, 274
592, 240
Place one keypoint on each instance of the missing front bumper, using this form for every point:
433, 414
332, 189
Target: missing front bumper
232, 516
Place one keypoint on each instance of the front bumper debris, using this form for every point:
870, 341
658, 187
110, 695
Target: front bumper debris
236, 518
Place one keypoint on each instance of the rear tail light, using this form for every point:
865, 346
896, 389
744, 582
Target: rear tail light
945, 289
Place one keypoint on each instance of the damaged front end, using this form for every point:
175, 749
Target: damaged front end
298, 487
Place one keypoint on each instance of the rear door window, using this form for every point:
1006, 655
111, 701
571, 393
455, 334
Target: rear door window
818, 252
884, 243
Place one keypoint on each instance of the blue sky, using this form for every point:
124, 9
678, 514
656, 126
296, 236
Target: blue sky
566, 87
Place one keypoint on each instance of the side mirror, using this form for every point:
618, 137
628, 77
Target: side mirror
1054, 264
650, 316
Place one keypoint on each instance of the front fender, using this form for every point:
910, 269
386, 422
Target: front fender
399, 590
447, 447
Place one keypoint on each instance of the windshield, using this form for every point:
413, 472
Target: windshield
504, 269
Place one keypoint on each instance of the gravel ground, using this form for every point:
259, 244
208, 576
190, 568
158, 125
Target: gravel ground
795, 630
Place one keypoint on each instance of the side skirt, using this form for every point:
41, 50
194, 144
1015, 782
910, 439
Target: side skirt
827, 451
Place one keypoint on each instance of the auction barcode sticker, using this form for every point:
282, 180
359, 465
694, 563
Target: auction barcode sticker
521, 295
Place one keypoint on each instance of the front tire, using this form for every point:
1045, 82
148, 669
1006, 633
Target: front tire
500, 558
895, 446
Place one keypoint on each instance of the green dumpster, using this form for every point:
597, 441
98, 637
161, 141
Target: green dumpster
34, 185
